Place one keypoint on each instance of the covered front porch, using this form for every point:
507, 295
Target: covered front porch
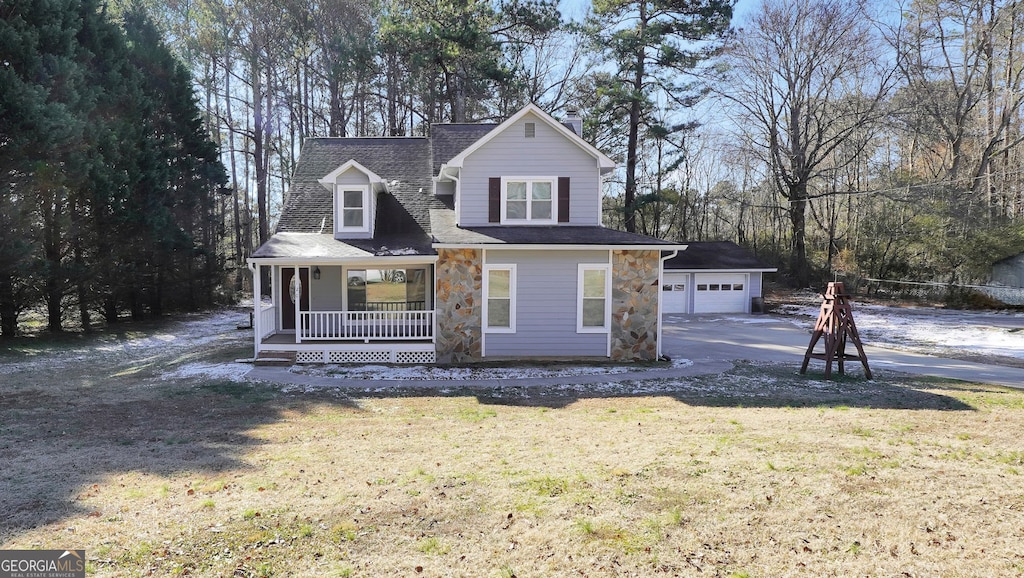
360, 311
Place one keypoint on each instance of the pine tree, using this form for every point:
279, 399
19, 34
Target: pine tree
657, 46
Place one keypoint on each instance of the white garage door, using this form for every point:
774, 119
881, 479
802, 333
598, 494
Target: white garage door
674, 291
720, 293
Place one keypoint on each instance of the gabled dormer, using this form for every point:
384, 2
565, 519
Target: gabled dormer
529, 170
355, 190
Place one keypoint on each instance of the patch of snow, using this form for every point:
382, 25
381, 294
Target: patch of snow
933, 331
749, 320
384, 251
230, 371
187, 331
427, 373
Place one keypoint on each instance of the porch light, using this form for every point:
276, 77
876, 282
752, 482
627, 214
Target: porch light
316, 272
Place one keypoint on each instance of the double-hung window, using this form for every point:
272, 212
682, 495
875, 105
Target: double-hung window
352, 208
593, 304
500, 298
529, 200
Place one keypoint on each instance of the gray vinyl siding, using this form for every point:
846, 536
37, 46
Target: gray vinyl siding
325, 292
548, 154
546, 306
444, 188
755, 287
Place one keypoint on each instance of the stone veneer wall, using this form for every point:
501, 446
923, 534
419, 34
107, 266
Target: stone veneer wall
459, 305
635, 293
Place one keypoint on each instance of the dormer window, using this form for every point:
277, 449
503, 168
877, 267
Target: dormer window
355, 201
528, 200
352, 203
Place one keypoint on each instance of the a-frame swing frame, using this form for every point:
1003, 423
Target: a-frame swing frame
835, 323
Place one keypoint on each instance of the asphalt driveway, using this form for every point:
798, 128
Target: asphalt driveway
707, 340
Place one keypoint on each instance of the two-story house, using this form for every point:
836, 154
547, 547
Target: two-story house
483, 241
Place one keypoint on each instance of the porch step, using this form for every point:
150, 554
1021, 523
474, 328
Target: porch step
276, 358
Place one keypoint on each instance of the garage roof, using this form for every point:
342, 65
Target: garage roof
717, 255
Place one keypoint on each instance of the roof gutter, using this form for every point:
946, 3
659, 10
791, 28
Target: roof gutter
446, 171
368, 260
734, 270
557, 247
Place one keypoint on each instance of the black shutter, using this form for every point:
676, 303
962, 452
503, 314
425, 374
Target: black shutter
494, 200
563, 199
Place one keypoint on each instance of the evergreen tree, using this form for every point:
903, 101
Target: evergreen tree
110, 177
41, 95
657, 46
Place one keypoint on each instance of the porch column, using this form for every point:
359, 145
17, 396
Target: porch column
257, 306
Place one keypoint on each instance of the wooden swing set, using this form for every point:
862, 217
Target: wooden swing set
835, 324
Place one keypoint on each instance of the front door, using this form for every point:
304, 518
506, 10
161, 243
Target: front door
288, 313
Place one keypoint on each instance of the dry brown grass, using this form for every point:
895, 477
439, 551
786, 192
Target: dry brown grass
792, 477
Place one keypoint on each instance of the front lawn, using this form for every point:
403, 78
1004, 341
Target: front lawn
155, 465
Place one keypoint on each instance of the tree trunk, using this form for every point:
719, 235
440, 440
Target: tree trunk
83, 290
8, 308
637, 84
337, 127
629, 201
53, 286
239, 254
110, 310
135, 305
258, 141
392, 96
799, 268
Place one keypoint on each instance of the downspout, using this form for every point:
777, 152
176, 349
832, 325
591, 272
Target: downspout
661, 283
610, 301
446, 172
483, 300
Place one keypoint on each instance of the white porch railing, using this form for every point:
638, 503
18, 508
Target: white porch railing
365, 326
268, 320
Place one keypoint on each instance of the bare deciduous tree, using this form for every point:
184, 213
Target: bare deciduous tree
961, 64
807, 78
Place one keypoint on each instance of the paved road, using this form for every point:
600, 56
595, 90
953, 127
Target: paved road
710, 338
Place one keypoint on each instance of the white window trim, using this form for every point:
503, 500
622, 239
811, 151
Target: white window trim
529, 200
607, 268
339, 217
512, 298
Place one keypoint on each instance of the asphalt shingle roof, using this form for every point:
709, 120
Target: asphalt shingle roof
404, 162
324, 245
448, 140
409, 216
446, 231
716, 255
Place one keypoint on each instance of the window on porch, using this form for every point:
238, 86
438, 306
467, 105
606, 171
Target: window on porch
386, 289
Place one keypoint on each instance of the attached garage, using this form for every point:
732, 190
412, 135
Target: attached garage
721, 293
712, 277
